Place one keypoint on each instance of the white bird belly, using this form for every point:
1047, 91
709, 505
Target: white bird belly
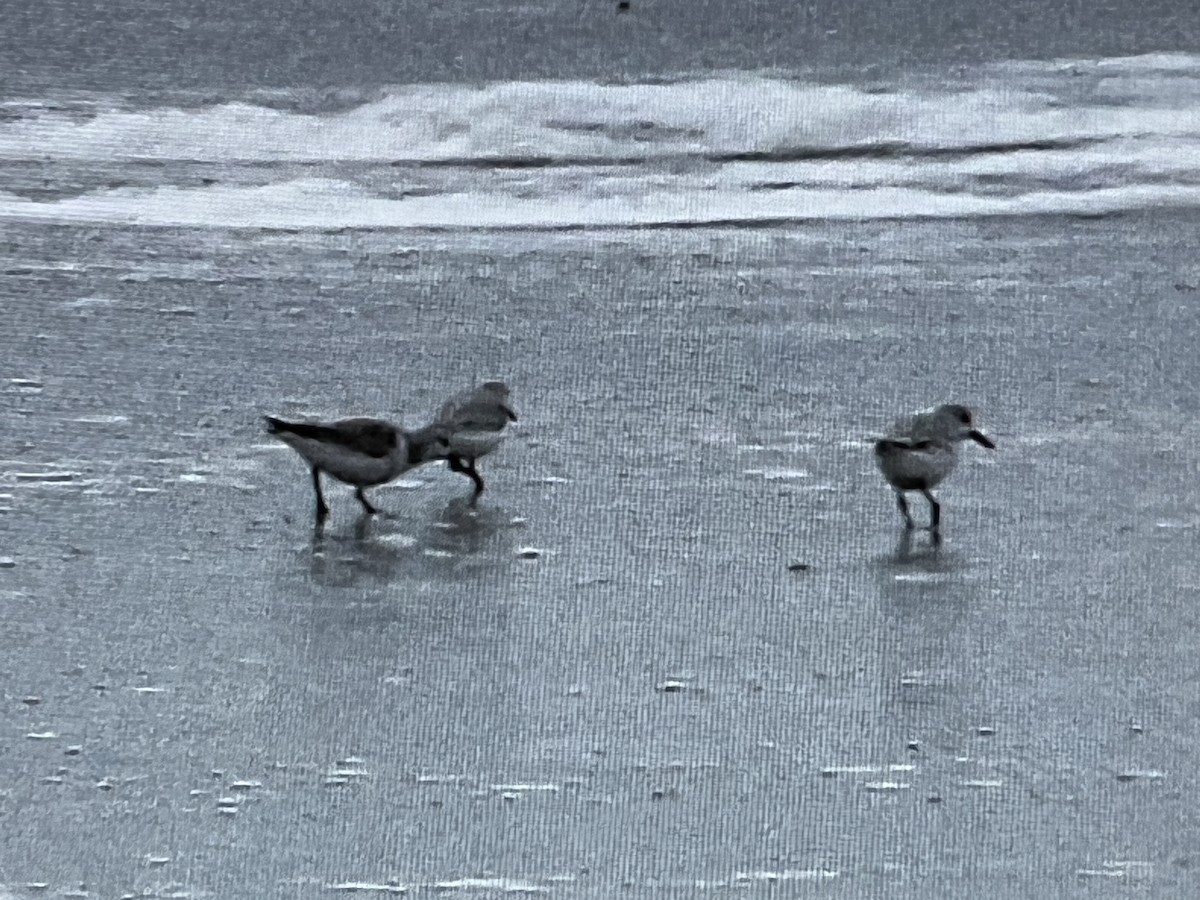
474, 444
345, 464
912, 469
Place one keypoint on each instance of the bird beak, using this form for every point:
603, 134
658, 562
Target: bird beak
982, 439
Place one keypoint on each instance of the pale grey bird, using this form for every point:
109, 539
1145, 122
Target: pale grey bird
361, 452
921, 452
473, 424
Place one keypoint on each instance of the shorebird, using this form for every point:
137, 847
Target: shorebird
921, 451
473, 423
361, 452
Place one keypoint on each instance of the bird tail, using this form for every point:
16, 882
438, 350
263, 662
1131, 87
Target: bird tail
300, 429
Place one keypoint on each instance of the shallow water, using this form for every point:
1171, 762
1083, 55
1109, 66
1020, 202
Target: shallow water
205, 699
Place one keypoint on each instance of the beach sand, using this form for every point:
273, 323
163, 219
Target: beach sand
204, 698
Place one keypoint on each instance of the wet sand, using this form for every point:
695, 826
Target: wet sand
205, 699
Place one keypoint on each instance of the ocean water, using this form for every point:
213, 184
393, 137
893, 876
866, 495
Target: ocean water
215, 46
1013, 138
684, 648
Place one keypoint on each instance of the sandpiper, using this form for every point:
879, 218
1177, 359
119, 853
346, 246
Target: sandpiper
473, 423
920, 452
362, 452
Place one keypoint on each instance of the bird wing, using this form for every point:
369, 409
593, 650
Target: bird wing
371, 437
914, 427
481, 409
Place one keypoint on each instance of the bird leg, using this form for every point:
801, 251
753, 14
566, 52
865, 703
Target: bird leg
935, 511
467, 468
903, 505
322, 506
366, 504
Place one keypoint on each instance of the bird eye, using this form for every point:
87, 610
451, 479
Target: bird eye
964, 417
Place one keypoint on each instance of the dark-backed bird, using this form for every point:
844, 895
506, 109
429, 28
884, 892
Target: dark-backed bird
361, 452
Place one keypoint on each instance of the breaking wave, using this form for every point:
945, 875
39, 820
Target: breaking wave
1073, 136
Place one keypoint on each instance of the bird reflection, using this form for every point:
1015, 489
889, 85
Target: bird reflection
390, 547
905, 552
